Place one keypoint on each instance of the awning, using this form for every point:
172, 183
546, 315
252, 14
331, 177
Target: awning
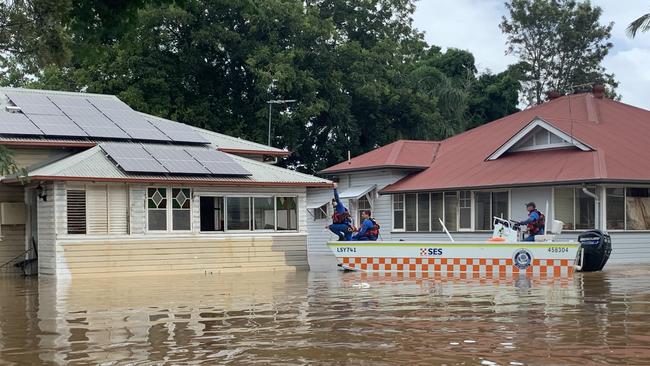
355, 193
316, 204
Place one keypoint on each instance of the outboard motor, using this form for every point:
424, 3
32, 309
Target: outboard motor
595, 248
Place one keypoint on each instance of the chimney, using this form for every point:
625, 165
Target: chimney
598, 90
553, 94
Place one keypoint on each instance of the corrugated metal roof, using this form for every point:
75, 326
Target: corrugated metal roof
402, 154
93, 164
618, 133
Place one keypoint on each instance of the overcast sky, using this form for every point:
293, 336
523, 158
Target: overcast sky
474, 25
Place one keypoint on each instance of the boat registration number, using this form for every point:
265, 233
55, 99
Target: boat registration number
558, 250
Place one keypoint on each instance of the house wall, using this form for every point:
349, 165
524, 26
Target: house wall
143, 252
47, 227
12, 237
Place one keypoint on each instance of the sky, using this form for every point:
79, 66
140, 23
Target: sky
473, 25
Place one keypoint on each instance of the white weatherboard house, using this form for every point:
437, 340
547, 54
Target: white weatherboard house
105, 190
582, 158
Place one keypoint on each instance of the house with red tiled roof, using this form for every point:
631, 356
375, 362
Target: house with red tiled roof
583, 159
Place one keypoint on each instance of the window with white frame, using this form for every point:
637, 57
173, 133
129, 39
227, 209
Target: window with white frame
465, 210
423, 212
487, 205
410, 207
398, 212
575, 208
628, 208
212, 213
287, 213
181, 209
437, 211
97, 209
157, 209
451, 210
238, 213
540, 138
263, 213
362, 205
160, 212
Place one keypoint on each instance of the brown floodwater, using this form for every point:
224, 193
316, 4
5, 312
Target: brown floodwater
327, 317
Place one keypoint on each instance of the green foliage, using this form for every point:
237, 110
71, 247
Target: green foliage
560, 43
642, 24
361, 73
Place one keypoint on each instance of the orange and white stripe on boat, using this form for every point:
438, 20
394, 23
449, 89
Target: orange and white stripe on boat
538, 267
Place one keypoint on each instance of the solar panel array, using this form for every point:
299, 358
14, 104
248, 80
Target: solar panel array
169, 159
88, 116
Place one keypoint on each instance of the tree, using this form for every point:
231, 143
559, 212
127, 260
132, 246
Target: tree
642, 24
560, 44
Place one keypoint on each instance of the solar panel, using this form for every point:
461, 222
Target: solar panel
128, 120
133, 158
178, 132
56, 125
217, 162
92, 121
17, 124
176, 160
34, 104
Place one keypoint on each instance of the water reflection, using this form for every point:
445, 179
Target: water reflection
327, 318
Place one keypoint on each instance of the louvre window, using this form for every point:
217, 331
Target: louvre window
320, 213
76, 211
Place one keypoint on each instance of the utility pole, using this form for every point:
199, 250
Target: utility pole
276, 101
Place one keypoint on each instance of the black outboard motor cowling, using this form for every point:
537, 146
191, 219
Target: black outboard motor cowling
596, 246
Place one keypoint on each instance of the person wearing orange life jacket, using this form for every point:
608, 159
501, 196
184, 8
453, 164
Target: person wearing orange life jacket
369, 228
341, 220
535, 222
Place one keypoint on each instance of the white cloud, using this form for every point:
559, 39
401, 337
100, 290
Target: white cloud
474, 25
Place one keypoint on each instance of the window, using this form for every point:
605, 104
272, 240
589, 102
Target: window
465, 210
575, 208
363, 204
437, 211
76, 211
451, 211
398, 212
181, 209
287, 213
411, 213
157, 209
540, 138
263, 213
320, 213
487, 206
212, 213
628, 208
423, 212
238, 213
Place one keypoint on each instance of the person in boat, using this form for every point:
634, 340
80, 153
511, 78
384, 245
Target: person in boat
369, 229
341, 219
535, 222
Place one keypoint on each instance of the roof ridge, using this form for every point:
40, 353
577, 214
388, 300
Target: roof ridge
71, 159
273, 167
57, 92
395, 151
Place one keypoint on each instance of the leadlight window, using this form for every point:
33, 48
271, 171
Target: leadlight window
181, 209
157, 209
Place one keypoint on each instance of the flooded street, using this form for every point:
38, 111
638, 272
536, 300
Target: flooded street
327, 317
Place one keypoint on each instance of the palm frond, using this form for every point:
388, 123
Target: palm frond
641, 24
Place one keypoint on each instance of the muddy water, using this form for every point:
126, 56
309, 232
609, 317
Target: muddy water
327, 318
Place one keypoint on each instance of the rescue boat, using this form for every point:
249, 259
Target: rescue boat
503, 254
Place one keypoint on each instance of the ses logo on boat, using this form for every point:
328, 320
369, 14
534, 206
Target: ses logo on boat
425, 252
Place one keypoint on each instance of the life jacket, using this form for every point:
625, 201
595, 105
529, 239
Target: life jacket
341, 218
374, 231
536, 226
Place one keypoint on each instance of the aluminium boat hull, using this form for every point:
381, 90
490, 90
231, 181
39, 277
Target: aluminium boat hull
486, 258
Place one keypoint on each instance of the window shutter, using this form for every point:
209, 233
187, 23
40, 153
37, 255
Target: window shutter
97, 209
76, 211
118, 200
